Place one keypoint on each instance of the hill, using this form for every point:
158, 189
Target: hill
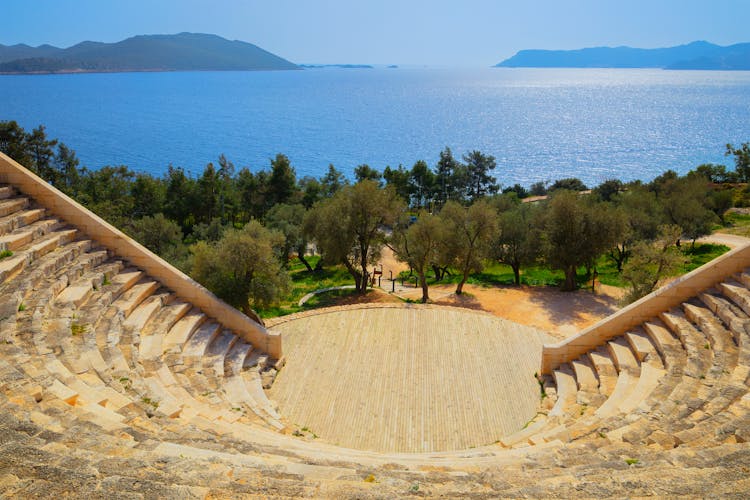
181, 52
695, 55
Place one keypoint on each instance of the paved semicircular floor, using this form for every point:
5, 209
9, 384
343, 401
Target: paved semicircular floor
408, 379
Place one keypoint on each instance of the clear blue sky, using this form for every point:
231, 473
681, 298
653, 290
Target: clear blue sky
431, 32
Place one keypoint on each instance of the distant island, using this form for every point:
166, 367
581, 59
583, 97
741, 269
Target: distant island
696, 55
180, 52
344, 66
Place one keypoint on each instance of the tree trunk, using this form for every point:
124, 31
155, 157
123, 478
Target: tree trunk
570, 279
516, 274
301, 257
619, 255
359, 279
363, 266
425, 293
460, 287
438, 273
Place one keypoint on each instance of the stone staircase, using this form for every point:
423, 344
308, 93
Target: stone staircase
114, 384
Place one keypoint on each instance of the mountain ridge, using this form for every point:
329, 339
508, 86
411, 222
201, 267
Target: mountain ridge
179, 52
695, 55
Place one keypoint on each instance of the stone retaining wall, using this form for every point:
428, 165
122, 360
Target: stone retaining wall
58, 204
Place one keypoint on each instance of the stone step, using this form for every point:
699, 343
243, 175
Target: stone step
147, 307
566, 390
526, 434
218, 351
622, 356
626, 382
698, 356
36, 271
132, 327
20, 219
108, 420
744, 278
75, 295
641, 345
719, 338
12, 205
132, 297
254, 385
154, 332
191, 405
666, 344
717, 428
259, 360
585, 375
160, 400
7, 192
89, 389
11, 266
108, 331
63, 392
601, 362
237, 393
235, 358
648, 380
200, 340
179, 334
737, 294
23, 236
732, 316
79, 292
124, 280
50, 242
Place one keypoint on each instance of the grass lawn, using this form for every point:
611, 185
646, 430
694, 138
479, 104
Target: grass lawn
304, 282
738, 224
500, 274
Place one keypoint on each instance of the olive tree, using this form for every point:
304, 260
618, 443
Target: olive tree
419, 245
160, 235
288, 220
350, 228
651, 262
576, 232
517, 242
470, 233
242, 267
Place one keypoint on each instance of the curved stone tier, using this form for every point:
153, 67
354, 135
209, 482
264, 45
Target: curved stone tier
111, 385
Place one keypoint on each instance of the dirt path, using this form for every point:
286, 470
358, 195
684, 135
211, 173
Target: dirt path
390, 263
730, 240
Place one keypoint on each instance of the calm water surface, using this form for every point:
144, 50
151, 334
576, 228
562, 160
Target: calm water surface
539, 123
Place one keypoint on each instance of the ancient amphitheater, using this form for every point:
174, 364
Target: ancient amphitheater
123, 378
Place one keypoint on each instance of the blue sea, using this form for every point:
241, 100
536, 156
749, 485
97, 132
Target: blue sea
540, 124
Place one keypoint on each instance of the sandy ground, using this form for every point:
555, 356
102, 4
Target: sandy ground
560, 313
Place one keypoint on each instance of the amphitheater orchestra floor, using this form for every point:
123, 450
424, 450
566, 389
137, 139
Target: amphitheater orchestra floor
408, 379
